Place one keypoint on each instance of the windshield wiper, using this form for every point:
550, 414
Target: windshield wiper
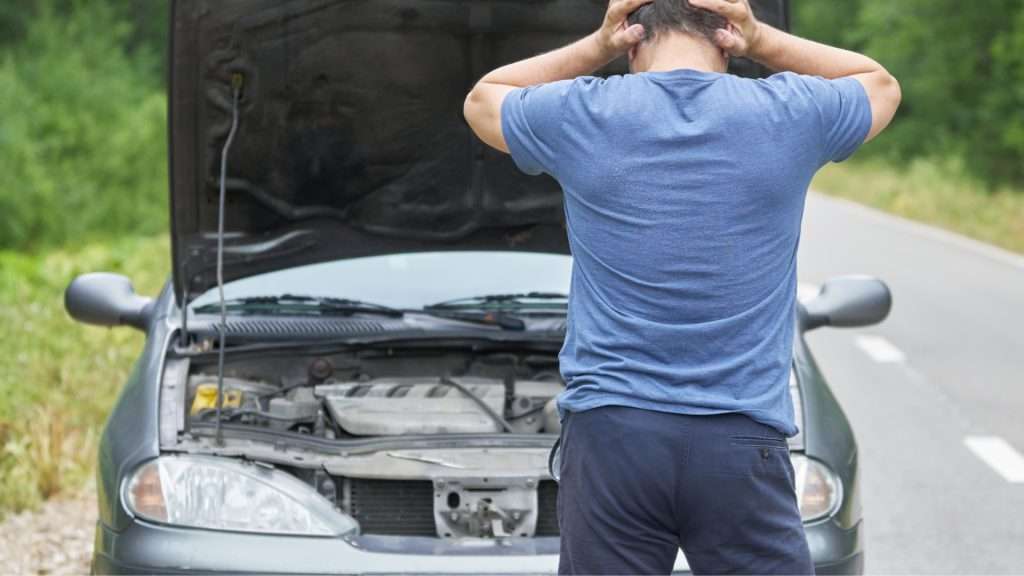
540, 300
293, 304
496, 318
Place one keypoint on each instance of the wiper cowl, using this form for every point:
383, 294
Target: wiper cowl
291, 304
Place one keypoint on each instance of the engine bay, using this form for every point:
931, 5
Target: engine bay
468, 483
371, 394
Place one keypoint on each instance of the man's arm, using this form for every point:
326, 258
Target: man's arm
785, 52
483, 105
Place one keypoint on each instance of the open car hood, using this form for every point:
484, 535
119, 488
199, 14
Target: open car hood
351, 140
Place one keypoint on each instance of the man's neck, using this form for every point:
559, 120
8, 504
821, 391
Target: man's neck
674, 51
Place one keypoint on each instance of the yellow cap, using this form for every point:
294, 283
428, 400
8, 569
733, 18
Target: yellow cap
206, 398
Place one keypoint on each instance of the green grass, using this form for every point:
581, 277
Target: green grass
934, 193
58, 379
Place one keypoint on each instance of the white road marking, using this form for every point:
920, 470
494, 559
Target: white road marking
880, 350
999, 455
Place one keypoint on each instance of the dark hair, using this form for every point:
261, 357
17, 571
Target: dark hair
677, 15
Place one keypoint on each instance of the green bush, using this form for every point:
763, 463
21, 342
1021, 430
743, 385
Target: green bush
1003, 108
82, 140
826, 21
961, 66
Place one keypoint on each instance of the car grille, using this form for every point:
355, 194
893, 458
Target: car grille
547, 508
406, 507
393, 507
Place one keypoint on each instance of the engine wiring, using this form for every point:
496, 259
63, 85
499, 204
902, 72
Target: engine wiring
478, 401
236, 87
236, 413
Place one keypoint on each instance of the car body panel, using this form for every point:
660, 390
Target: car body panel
149, 548
130, 435
129, 545
827, 433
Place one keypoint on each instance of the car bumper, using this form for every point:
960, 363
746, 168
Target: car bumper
152, 549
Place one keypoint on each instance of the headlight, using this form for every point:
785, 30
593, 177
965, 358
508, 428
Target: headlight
818, 489
221, 494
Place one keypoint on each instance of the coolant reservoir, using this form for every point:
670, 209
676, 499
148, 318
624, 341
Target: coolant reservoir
206, 398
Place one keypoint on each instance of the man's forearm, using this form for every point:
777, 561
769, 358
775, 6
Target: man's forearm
580, 58
788, 53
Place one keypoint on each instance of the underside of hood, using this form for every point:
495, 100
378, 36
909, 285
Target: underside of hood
351, 140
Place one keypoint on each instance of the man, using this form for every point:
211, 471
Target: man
684, 192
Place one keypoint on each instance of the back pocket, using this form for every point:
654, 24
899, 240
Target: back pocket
753, 456
765, 441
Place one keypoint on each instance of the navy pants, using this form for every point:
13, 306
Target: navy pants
636, 486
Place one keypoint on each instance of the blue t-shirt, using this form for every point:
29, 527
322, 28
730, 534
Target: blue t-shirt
684, 194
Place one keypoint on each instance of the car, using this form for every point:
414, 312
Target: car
353, 366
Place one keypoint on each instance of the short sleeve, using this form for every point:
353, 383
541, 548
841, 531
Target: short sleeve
845, 113
531, 124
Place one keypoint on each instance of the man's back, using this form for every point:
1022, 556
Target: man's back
684, 194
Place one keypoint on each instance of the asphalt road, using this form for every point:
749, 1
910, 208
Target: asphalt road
935, 394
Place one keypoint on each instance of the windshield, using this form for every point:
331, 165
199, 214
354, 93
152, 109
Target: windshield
410, 280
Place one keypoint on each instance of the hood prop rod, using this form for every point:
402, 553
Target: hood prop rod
236, 86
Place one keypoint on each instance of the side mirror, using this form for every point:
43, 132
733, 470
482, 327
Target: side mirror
106, 299
848, 302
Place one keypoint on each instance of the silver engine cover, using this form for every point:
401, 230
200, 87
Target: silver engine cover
413, 405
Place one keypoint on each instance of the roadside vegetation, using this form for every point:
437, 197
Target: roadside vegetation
954, 156
941, 194
58, 379
83, 182
83, 187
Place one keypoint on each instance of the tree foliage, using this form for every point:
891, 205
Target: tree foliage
82, 140
961, 66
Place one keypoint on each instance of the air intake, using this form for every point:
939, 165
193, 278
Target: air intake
406, 507
547, 508
393, 507
303, 327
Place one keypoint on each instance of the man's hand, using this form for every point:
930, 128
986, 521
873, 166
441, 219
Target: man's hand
482, 108
614, 36
744, 32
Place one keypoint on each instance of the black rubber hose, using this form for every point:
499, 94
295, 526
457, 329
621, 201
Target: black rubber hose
479, 402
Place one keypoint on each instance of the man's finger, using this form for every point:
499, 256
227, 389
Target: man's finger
620, 9
730, 9
626, 38
725, 40
633, 35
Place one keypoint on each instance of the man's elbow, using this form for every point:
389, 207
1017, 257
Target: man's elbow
472, 107
893, 91
482, 112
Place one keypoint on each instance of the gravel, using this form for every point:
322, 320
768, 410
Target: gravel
54, 539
